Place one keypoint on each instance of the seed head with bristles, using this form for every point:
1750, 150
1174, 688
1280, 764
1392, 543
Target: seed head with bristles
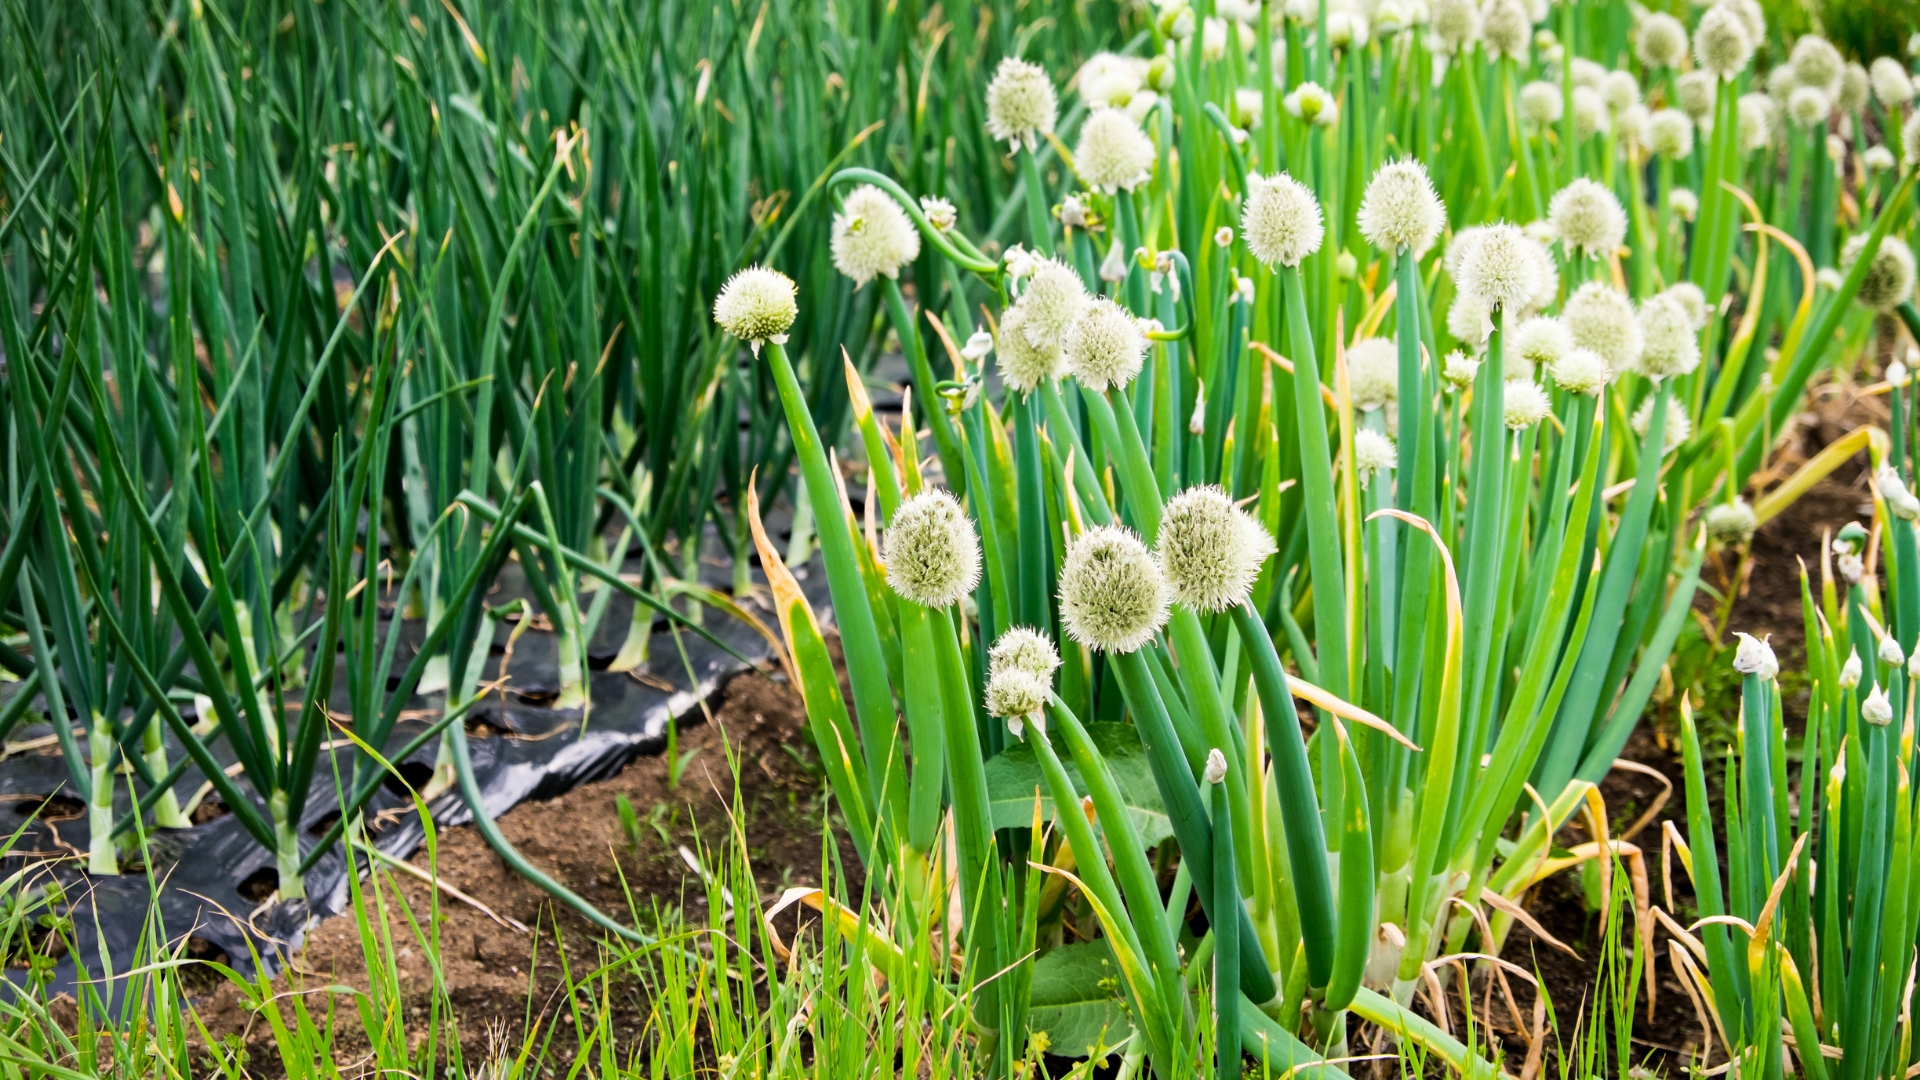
1281, 220
1678, 428
1210, 550
1538, 342
1889, 279
1054, 301
1524, 404
1542, 103
1022, 364
1021, 105
1684, 202
1113, 153
1401, 209
1663, 40
1891, 83
1722, 43
872, 236
1602, 319
1855, 85
1021, 648
1580, 371
931, 550
1018, 697
1816, 63
1671, 347
1588, 218
1501, 267
1689, 296
1620, 90
1470, 320
1373, 373
1695, 92
1590, 116
1670, 133
1506, 29
1731, 524
1112, 596
1458, 370
1373, 453
756, 305
1106, 348
1756, 121
1808, 105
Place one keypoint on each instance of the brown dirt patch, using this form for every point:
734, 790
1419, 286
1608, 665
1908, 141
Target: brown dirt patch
499, 981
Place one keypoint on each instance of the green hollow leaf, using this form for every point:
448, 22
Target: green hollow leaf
1014, 774
1075, 997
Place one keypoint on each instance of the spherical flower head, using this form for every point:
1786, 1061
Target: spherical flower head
757, 305
1753, 17
1588, 218
1695, 91
1619, 90
1106, 348
1877, 158
1663, 40
1678, 424
1910, 138
1020, 648
1501, 267
1632, 122
1889, 279
1755, 657
1602, 319
1459, 369
1313, 103
1891, 83
1670, 133
1017, 697
1021, 105
1109, 81
1721, 43
1541, 103
1808, 105
1731, 524
1756, 122
1022, 364
1210, 550
1390, 17
1539, 342
1689, 296
1506, 28
1373, 373
1248, 104
1112, 597
1346, 29
1590, 115
1456, 23
1053, 303
1816, 63
1281, 220
1401, 209
872, 236
1524, 404
1684, 203
932, 553
1855, 85
1113, 153
1877, 710
1580, 371
1373, 453
1671, 347
1470, 321
1588, 73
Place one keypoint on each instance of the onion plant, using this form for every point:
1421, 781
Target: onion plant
1314, 388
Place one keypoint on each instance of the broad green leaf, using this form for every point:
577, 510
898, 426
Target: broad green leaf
1075, 1000
1013, 775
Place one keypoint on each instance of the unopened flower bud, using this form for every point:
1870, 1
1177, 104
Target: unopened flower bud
1755, 657
1850, 671
978, 345
1216, 766
940, 212
1890, 653
1877, 710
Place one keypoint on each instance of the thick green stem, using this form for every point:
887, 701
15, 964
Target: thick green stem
166, 811
101, 857
286, 848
